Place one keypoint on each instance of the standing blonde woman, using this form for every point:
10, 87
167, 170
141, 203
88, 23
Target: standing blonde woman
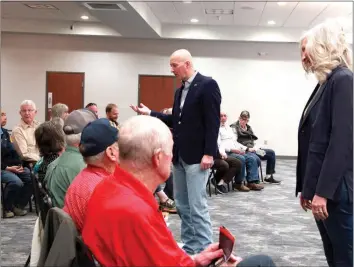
325, 138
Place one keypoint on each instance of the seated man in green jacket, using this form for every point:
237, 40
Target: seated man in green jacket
62, 171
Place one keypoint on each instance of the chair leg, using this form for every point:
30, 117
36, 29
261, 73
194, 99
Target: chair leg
28, 260
260, 168
209, 182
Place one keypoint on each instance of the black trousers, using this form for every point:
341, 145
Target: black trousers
227, 169
337, 231
168, 187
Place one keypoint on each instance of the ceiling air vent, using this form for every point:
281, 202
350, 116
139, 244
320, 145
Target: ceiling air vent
104, 6
219, 11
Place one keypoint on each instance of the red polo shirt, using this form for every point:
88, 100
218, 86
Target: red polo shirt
79, 193
124, 226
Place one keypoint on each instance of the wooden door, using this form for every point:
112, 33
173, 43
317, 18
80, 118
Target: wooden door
157, 92
66, 88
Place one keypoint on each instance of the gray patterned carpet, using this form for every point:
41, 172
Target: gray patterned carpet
268, 222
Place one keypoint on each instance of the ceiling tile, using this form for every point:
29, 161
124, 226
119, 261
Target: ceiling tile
333, 10
224, 20
218, 5
248, 13
67, 11
277, 13
165, 12
187, 11
305, 13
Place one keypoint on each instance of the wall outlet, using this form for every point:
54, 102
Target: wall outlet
265, 142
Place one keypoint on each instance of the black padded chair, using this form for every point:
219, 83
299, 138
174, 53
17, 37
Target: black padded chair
43, 203
211, 176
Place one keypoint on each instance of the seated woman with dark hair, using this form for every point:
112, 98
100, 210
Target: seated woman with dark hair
246, 137
51, 143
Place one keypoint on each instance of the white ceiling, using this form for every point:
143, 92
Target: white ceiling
172, 19
293, 14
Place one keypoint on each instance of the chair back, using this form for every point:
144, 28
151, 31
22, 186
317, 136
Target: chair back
41, 197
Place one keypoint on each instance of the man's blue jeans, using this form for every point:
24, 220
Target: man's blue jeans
18, 189
189, 183
249, 167
270, 158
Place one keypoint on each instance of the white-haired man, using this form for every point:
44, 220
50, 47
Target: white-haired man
195, 124
23, 134
64, 169
124, 225
99, 148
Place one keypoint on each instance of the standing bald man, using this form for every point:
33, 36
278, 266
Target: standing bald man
195, 121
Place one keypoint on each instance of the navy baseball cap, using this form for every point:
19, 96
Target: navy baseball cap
97, 136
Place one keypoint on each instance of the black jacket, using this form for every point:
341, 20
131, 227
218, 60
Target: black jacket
244, 137
325, 139
9, 156
195, 131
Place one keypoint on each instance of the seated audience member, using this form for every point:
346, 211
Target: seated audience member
17, 179
166, 204
93, 108
123, 225
112, 114
99, 148
246, 137
23, 134
62, 171
227, 168
51, 143
60, 110
229, 146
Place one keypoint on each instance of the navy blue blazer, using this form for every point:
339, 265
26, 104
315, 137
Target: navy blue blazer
195, 132
325, 139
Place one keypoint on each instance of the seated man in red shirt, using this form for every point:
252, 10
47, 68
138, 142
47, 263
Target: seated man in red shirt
124, 225
99, 148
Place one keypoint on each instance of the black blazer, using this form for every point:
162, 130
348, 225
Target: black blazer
195, 132
325, 139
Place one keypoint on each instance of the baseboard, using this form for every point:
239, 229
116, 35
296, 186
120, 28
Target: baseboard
287, 157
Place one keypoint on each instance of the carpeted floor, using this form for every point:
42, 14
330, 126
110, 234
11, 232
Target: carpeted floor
268, 222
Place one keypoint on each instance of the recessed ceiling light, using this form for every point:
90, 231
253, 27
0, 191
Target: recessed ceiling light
281, 3
187, 2
84, 17
271, 22
194, 20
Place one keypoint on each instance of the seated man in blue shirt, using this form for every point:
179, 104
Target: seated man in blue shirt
18, 189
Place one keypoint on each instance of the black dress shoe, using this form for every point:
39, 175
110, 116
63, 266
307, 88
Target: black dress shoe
222, 188
271, 180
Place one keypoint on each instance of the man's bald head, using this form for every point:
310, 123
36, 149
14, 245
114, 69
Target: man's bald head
181, 63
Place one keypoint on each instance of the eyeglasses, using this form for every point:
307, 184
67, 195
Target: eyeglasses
27, 110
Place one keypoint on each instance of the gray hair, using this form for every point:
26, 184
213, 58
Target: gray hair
72, 139
139, 139
29, 103
328, 48
59, 109
95, 160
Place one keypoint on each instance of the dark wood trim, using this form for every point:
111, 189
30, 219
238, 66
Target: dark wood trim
287, 157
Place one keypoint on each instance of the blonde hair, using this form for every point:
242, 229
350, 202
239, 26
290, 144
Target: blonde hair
328, 48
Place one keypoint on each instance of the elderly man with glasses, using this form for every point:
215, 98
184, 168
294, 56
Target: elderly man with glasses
23, 134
